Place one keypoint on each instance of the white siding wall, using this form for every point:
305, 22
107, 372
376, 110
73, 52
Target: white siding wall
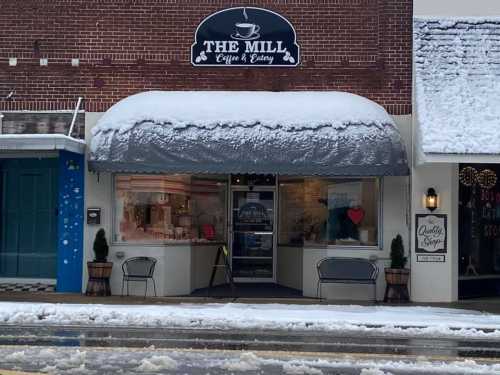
456, 8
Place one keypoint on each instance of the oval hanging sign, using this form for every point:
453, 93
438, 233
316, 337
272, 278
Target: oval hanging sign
245, 36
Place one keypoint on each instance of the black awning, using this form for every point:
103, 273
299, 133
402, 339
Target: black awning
132, 138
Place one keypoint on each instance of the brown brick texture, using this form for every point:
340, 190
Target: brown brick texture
129, 46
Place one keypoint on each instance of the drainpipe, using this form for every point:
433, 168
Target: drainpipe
75, 113
1, 125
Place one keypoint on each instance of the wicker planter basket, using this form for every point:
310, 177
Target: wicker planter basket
99, 274
397, 276
397, 285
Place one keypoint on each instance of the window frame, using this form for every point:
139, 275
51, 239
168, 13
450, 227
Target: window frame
161, 243
379, 226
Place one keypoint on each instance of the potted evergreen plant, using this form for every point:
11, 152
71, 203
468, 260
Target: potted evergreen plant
99, 269
397, 276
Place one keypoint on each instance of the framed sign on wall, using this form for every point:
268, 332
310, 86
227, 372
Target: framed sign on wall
431, 237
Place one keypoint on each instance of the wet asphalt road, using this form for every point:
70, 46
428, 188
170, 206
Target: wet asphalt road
297, 341
99, 350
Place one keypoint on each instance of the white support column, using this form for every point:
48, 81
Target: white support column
436, 282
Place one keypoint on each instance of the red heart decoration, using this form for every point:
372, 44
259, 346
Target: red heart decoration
356, 215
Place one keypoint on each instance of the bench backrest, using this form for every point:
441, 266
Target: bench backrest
347, 269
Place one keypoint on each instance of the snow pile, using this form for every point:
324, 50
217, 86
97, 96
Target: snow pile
373, 371
458, 84
247, 361
401, 320
293, 369
111, 361
157, 363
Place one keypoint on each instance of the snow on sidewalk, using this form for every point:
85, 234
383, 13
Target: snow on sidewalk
404, 320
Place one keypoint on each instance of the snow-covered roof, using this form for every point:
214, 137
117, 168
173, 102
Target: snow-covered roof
457, 66
248, 132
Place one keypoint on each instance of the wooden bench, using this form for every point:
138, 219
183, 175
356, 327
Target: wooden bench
347, 271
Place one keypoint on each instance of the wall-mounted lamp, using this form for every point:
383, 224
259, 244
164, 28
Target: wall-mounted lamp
12, 61
431, 199
44, 62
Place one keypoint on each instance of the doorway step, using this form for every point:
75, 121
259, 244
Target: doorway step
248, 290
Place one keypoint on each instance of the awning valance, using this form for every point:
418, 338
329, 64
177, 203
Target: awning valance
291, 133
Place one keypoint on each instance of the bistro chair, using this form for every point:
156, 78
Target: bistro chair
139, 269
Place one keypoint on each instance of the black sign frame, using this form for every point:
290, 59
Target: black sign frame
419, 250
243, 42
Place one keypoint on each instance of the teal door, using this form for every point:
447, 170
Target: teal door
29, 218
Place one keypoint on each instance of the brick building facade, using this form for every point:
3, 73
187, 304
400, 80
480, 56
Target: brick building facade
126, 46
177, 211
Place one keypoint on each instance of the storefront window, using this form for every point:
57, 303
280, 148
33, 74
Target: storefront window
166, 208
341, 212
479, 230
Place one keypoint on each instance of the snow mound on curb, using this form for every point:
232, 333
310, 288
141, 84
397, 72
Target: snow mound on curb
374, 371
157, 363
387, 320
248, 361
292, 369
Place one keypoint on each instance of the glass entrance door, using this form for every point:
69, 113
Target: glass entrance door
253, 236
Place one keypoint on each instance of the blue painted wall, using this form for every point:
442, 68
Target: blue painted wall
70, 222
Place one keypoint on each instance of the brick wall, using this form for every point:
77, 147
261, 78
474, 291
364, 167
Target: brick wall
128, 46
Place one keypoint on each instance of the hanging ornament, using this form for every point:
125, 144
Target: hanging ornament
468, 176
487, 179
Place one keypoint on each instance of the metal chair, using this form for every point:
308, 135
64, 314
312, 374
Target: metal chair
139, 269
347, 271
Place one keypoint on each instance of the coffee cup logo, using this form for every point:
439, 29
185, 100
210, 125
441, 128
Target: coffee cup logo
246, 31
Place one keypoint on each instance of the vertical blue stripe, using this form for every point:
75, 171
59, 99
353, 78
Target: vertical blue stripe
70, 222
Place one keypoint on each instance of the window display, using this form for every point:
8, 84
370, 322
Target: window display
479, 230
340, 212
166, 208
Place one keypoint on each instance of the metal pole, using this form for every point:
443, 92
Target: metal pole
75, 113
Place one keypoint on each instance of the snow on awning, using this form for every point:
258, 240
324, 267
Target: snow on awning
40, 142
292, 133
457, 87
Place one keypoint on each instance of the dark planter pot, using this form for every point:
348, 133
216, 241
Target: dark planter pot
396, 290
99, 274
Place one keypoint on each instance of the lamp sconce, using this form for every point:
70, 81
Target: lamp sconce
431, 199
